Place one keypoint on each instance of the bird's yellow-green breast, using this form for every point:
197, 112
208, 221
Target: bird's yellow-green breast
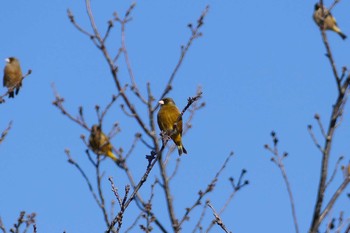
12, 76
168, 115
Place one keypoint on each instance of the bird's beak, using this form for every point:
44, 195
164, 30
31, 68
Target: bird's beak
161, 102
7, 60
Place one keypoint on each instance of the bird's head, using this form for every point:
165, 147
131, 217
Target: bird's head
167, 101
11, 59
95, 129
317, 6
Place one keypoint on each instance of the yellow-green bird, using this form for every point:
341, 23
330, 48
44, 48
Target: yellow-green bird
329, 22
99, 142
12, 76
167, 117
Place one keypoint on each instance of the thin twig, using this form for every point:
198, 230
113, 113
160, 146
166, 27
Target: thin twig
58, 102
201, 194
195, 33
218, 219
15, 85
334, 198
71, 161
278, 160
335, 170
5, 132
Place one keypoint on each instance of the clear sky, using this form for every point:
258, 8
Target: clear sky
261, 65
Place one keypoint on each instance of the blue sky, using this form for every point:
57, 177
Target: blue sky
261, 66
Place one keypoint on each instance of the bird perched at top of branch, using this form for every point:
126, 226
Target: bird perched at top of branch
12, 76
99, 142
168, 115
326, 20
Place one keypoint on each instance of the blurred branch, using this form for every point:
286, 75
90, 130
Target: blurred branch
124, 50
58, 102
334, 198
199, 223
336, 116
218, 219
335, 170
132, 226
236, 187
5, 132
195, 33
7, 92
23, 219
202, 194
278, 160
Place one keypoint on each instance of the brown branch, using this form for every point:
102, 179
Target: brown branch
218, 219
58, 102
195, 33
337, 109
7, 92
123, 49
335, 170
139, 198
332, 201
2, 227
5, 132
99, 177
28, 220
134, 223
278, 160
198, 225
201, 194
236, 187
328, 48
152, 159
318, 119
87, 180
314, 139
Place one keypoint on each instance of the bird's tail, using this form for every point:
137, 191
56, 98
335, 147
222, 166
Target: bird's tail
343, 36
181, 149
11, 94
112, 156
337, 30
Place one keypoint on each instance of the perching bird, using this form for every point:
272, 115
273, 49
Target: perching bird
99, 143
12, 76
167, 117
329, 22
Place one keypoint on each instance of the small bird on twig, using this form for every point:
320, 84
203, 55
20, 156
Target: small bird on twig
99, 143
324, 18
168, 116
12, 76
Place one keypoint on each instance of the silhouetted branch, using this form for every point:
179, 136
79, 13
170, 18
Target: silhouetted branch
336, 115
58, 102
202, 194
278, 160
195, 33
236, 187
23, 220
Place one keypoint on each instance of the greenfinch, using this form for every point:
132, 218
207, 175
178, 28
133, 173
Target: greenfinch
12, 76
329, 22
99, 142
167, 116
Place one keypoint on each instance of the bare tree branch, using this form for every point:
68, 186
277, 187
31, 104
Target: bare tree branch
218, 219
278, 160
